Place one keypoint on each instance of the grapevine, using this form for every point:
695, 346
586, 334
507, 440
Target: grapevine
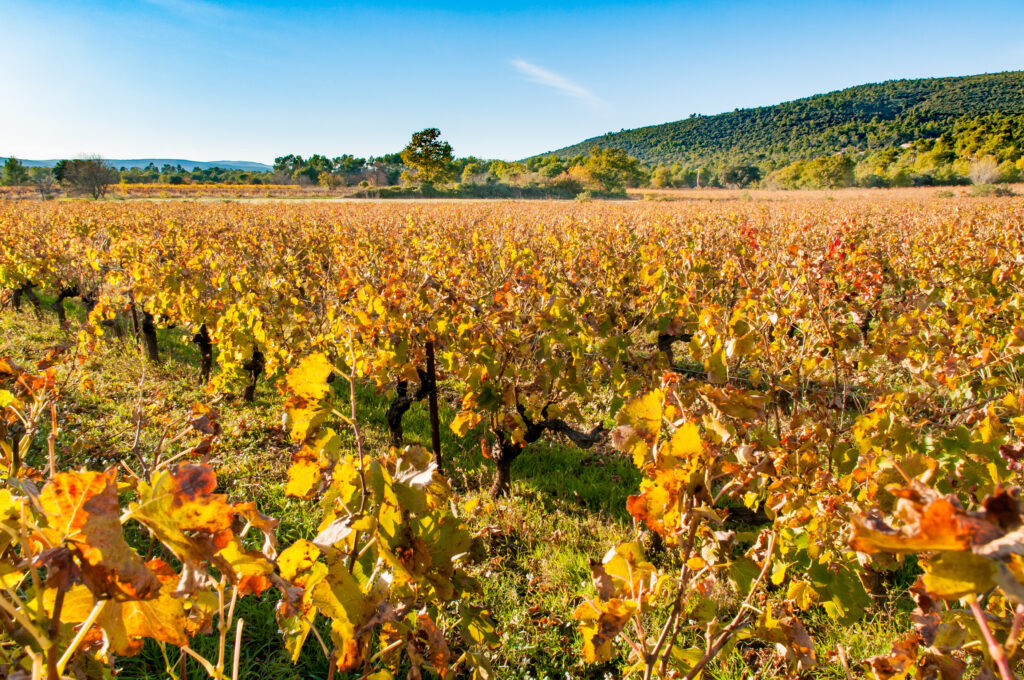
818, 396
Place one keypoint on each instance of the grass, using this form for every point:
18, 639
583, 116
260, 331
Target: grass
567, 507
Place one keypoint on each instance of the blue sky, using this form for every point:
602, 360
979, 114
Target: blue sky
226, 80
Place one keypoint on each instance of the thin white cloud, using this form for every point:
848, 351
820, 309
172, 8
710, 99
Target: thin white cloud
542, 76
194, 9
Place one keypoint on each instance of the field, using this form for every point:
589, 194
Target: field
772, 434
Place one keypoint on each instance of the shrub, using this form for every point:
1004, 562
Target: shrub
991, 190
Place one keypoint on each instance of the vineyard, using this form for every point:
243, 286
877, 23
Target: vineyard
494, 439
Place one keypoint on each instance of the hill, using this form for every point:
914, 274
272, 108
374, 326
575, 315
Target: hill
248, 166
862, 118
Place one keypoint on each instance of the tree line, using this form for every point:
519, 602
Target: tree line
87, 176
985, 150
426, 163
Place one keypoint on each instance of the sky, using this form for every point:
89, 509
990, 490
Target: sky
228, 80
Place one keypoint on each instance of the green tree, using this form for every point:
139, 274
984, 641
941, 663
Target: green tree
306, 175
348, 165
788, 177
829, 172
551, 166
289, 163
901, 177
60, 166
320, 163
741, 175
507, 172
428, 157
329, 180
470, 173
43, 180
1008, 172
14, 172
89, 176
682, 177
613, 169
661, 177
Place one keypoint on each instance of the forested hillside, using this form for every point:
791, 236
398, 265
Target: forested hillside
863, 118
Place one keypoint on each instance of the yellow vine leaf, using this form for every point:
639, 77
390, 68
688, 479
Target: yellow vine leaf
600, 623
308, 391
308, 464
686, 443
639, 424
953, 575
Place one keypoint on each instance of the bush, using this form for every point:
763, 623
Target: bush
1008, 172
901, 178
871, 180
567, 183
991, 190
984, 171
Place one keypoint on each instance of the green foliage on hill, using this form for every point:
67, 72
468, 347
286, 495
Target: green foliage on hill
865, 118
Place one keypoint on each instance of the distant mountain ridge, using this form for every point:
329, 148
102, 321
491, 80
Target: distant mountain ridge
861, 118
249, 166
